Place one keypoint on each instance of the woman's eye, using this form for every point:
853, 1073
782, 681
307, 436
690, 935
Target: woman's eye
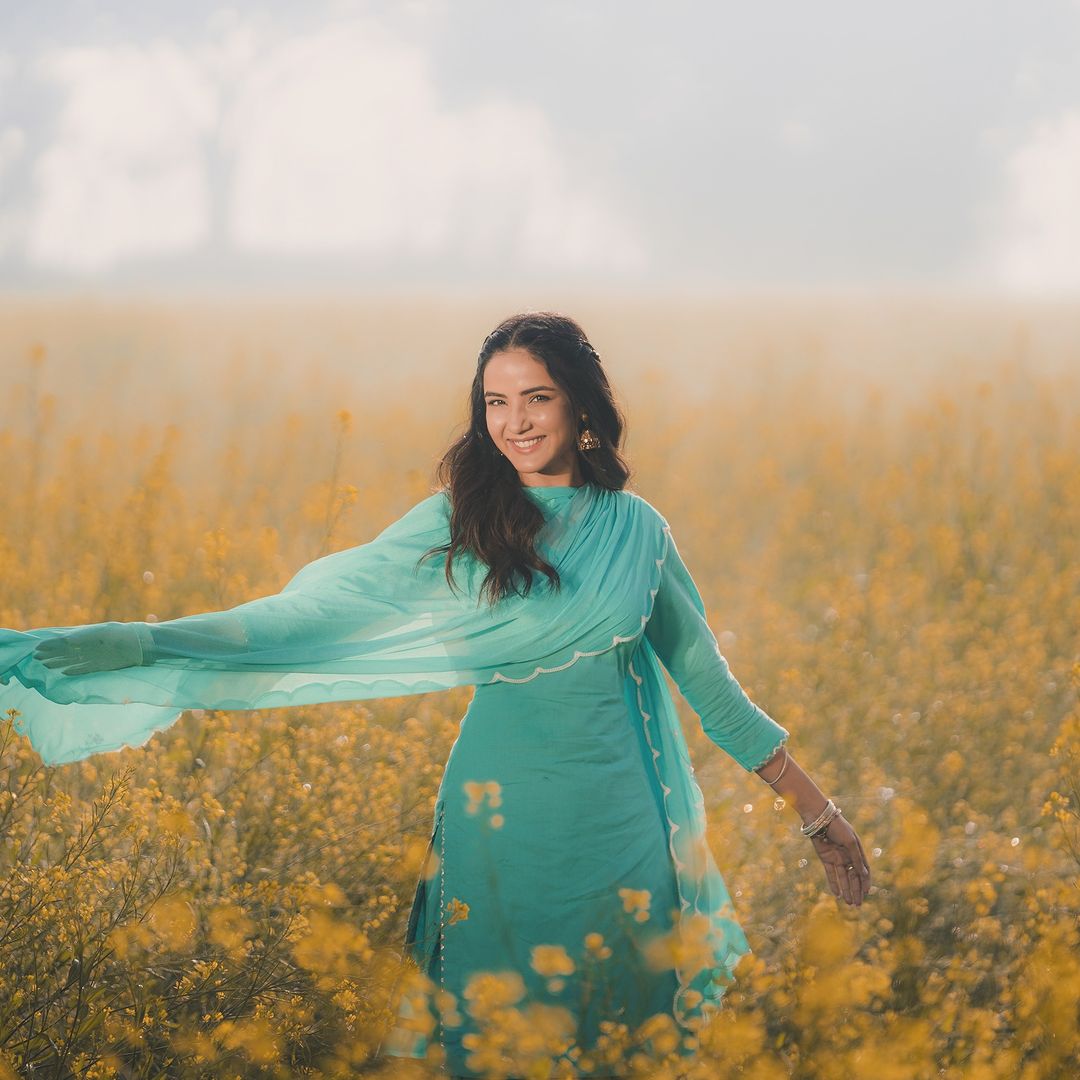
499, 401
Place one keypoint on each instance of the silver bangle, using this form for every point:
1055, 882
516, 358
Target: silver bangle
787, 758
821, 823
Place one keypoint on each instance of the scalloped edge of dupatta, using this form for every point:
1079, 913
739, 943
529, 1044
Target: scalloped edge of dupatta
617, 639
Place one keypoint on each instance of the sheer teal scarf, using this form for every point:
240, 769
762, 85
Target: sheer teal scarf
368, 622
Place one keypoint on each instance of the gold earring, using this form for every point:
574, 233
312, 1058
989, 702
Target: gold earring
587, 440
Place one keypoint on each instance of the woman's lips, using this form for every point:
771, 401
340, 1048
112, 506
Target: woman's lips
527, 449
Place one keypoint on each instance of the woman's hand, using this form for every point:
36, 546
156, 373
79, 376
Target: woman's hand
103, 648
846, 868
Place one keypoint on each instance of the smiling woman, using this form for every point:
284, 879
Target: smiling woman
568, 860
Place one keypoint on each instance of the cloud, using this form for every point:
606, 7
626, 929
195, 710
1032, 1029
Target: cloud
330, 143
1036, 228
798, 135
12, 144
341, 145
124, 177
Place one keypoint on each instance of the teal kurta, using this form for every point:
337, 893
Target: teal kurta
550, 825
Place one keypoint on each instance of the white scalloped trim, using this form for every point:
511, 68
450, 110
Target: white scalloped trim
672, 829
783, 739
684, 983
617, 639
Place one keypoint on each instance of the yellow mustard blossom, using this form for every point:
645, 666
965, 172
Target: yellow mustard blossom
457, 910
551, 960
636, 901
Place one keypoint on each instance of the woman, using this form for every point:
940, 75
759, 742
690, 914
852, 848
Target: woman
568, 852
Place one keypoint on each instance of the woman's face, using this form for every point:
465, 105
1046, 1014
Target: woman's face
522, 404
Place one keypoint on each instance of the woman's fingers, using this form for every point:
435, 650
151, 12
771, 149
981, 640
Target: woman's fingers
853, 872
831, 878
48, 649
61, 659
865, 860
58, 661
859, 874
834, 859
56, 654
845, 883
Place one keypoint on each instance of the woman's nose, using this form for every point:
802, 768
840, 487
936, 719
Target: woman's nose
518, 420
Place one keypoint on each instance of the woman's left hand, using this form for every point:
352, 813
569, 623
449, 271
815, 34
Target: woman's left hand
846, 868
91, 648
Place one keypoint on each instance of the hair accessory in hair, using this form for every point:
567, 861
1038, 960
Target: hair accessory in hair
585, 347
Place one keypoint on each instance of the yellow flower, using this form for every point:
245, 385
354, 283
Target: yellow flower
551, 960
493, 989
173, 920
595, 944
458, 911
661, 1029
477, 792
230, 927
636, 901
685, 947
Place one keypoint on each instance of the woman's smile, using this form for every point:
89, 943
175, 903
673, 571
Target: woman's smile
524, 446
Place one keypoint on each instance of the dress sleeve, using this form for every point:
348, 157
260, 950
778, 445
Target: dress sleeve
679, 634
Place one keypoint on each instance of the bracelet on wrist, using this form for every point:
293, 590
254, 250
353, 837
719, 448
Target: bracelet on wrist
820, 824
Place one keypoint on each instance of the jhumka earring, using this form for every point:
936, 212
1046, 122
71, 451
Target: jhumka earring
587, 440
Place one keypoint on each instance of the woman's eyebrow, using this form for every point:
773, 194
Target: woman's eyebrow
498, 393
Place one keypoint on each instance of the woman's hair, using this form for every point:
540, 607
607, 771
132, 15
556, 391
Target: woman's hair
491, 516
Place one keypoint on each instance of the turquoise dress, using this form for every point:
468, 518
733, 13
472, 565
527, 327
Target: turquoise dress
550, 826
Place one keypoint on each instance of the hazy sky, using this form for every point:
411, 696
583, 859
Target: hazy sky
432, 141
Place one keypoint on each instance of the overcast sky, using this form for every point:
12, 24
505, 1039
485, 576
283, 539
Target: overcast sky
466, 142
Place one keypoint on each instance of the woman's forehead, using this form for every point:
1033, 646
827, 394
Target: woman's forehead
511, 364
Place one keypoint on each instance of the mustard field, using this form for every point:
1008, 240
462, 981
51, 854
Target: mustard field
882, 511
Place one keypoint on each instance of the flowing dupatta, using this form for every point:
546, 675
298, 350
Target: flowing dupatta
709, 939
369, 622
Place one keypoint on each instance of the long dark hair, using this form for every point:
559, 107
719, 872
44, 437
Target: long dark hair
491, 516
